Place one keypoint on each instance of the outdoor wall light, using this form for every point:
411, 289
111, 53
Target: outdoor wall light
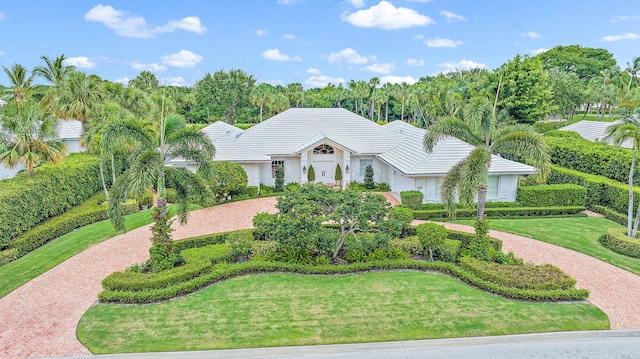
304, 169
346, 169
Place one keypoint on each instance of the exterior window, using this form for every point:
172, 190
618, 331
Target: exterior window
492, 186
363, 166
323, 150
274, 167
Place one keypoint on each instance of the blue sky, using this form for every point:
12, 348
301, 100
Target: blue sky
313, 42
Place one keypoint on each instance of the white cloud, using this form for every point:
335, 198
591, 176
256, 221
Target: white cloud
531, 35
183, 58
124, 80
415, 62
387, 17
380, 68
356, 3
287, 2
323, 80
153, 67
190, 23
313, 71
437, 42
452, 16
627, 36
625, 18
461, 65
347, 55
276, 55
81, 62
538, 51
261, 32
128, 25
397, 80
289, 37
174, 81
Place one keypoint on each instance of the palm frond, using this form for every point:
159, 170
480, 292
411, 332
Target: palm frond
525, 143
125, 131
116, 199
450, 126
143, 172
189, 187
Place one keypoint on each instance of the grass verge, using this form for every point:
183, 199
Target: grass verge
578, 234
18, 272
292, 309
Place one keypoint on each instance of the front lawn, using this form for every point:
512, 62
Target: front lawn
293, 309
18, 272
578, 234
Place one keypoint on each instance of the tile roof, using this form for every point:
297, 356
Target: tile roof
68, 129
593, 131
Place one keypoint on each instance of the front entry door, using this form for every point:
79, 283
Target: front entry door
325, 171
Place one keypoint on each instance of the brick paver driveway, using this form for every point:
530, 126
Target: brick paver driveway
40, 318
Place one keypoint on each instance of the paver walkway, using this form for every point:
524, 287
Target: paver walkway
40, 318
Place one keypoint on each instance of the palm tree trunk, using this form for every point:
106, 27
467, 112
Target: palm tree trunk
386, 112
104, 186
482, 199
113, 169
630, 209
634, 233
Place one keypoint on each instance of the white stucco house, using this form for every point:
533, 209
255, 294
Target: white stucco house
69, 131
323, 137
594, 131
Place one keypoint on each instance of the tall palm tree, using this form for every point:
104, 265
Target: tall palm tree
76, 97
633, 68
260, 96
620, 131
20, 86
403, 93
29, 139
482, 129
54, 70
149, 170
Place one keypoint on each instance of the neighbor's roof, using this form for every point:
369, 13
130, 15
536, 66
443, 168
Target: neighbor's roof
296, 128
593, 131
220, 129
410, 158
68, 129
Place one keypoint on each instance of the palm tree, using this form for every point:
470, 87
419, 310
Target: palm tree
21, 84
403, 93
482, 129
633, 68
149, 170
145, 80
260, 96
54, 71
620, 131
76, 97
30, 138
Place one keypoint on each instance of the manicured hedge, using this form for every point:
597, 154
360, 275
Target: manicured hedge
534, 277
91, 211
411, 199
54, 189
618, 241
552, 195
504, 212
409, 245
592, 157
544, 127
448, 251
600, 190
466, 238
611, 214
224, 271
205, 240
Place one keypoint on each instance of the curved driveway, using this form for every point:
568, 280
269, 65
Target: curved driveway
40, 318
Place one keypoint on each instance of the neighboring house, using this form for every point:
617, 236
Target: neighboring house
69, 131
302, 137
594, 131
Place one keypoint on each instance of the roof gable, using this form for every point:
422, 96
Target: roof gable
594, 131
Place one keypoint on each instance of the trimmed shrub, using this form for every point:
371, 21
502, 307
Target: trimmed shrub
249, 191
544, 127
368, 178
618, 241
338, 174
279, 184
91, 211
411, 199
172, 196
466, 238
532, 277
213, 253
594, 158
503, 212
132, 281
54, 189
448, 250
409, 245
552, 195
311, 174
206, 240
227, 178
600, 190
263, 248
610, 214
224, 271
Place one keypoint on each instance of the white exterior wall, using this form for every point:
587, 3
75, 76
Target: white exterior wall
354, 169
6, 173
73, 146
292, 171
507, 189
253, 173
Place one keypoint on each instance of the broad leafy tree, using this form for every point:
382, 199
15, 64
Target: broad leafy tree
224, 95
569, 91
490, 136
586, 62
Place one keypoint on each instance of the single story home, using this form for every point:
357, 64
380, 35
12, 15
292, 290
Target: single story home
69, 131
299, 138
594, 131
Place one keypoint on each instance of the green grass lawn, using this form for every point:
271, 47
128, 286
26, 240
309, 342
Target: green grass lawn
580, 234
16, 273
292, 309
